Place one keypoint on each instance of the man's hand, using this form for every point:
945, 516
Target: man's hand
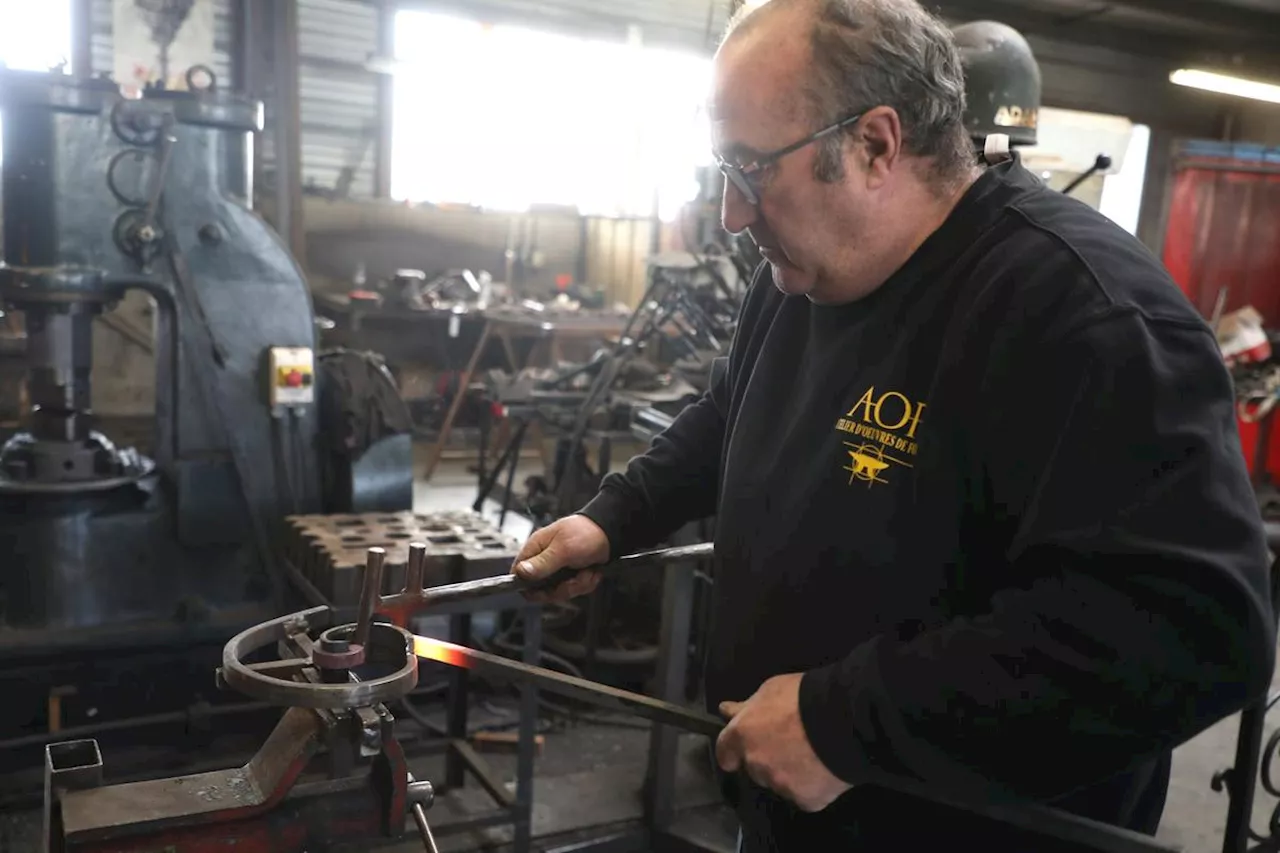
575, 542
765, 736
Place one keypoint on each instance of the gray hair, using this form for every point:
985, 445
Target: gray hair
869, 53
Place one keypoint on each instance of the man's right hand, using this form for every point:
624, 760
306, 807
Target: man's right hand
573, 542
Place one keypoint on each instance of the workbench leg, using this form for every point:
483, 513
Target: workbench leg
464, 383
673, 652
455, 769
528, 730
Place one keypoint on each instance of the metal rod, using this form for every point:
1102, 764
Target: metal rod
420, 818
483, 587
416, 568
1031, 818
569, 686
370, 594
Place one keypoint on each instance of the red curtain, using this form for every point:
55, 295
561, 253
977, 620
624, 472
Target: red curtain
1224, 232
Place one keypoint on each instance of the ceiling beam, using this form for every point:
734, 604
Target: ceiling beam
1256, 22
1123, 37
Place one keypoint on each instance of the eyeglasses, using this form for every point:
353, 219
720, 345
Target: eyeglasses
746, 178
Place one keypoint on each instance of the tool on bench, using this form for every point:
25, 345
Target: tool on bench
336, 684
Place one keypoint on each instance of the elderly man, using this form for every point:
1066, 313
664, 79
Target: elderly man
982, 517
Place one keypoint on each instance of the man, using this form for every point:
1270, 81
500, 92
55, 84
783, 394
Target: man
982, 517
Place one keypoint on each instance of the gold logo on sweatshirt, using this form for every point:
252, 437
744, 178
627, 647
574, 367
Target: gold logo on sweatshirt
882, 428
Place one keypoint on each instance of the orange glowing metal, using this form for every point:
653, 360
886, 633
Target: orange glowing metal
440, 651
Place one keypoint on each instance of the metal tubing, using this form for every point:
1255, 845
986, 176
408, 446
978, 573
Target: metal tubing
673, 654
370, 595
531, 655
420, 818
458, 704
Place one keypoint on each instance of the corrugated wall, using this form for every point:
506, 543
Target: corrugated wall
689, 24
338, 96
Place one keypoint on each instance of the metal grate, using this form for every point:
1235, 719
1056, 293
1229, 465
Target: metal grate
330, 550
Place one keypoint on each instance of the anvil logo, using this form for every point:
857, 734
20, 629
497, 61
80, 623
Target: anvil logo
885, 425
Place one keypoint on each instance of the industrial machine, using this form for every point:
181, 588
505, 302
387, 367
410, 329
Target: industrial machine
333, 772
124, 573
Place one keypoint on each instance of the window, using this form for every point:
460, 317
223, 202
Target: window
35, 36
505, 117
1068, 144
1122, 192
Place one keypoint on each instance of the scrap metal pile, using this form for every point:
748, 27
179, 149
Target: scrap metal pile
660, 363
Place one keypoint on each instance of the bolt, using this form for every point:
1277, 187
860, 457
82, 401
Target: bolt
421, 793
210, 234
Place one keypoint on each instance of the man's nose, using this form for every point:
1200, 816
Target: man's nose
736, 213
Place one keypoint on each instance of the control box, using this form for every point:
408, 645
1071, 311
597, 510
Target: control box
291, 377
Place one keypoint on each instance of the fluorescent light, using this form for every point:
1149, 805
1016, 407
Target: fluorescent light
1226, 85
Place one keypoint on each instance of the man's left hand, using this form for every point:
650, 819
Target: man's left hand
766, 737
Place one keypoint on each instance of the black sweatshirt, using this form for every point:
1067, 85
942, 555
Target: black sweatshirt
996, 511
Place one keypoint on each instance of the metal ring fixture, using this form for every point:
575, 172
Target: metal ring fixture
140, 155
135, 122
201, 72
386, 643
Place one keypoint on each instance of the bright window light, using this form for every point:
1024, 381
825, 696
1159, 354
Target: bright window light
1227, 85
503, 117
35, 36
1122, 192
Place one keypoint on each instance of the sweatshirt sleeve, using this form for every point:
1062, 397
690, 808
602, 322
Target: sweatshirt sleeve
1134, 610
673, 482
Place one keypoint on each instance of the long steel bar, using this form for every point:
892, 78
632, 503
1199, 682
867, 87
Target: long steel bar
412, 599
1051, 823
569, 686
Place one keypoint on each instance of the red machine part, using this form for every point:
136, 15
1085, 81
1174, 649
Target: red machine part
1223, 215
265, 806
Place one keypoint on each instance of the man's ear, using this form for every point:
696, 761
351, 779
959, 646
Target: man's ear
880, 132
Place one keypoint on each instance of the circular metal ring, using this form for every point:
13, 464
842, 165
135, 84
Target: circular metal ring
385, 642
131, 237
348, 657
198, 72
135, 123
113, 177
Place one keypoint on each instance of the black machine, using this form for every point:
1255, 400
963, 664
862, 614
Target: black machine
123, 575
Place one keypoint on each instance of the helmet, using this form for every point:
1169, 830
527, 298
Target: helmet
1001, 82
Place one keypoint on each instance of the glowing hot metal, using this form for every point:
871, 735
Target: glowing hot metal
601, 695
